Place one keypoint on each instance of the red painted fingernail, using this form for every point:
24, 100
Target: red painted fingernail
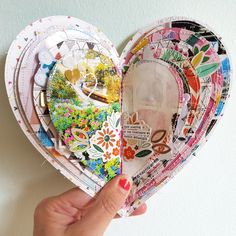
125, 184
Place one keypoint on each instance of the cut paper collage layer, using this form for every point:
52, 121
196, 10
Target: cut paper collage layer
201, 65
94, 115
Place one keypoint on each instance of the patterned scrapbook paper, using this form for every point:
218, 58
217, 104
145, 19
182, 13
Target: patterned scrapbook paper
94, 115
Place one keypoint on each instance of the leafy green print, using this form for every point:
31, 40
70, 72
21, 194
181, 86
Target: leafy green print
125, 68
116, 106
97, 148
195, 50
136, 60
205, 47
205, 59
192, 40
90, 119
207, 69
169, 53
143, 153
117, 122
112, 168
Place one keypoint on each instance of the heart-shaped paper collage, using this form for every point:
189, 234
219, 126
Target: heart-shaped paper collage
94, 115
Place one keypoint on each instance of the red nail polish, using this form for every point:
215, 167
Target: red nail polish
125, 184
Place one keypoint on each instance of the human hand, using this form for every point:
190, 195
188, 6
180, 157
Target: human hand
74, 213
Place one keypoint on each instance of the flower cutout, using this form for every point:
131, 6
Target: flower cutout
107, 156
105, 143
129, 153
118, 143
115, 151
134, 145
106, 138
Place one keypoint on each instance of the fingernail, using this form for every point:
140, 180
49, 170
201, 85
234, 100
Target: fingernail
125, 184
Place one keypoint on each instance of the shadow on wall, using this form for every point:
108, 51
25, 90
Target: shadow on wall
24, 180
122, 45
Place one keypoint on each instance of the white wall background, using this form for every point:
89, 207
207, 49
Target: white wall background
199, 201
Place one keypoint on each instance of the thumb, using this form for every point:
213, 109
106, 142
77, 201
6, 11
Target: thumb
107, 203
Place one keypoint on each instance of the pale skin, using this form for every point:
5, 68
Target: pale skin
74, 213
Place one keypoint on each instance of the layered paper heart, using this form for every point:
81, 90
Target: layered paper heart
94, 115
